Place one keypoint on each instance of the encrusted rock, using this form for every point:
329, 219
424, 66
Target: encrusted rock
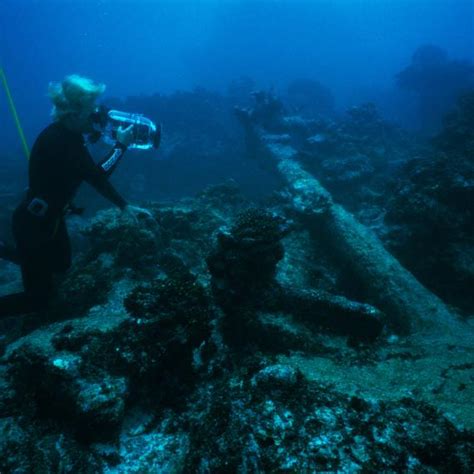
279, 377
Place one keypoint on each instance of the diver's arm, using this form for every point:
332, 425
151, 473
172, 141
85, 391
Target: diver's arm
112, 159
97, 177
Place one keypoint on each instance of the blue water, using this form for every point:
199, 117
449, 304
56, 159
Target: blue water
138, 47
295, 294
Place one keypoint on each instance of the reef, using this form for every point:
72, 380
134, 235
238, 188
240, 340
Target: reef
430, 218
408, 305
457, 136
437, 81
306, 331
272, 420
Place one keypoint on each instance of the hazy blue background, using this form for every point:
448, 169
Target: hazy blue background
137, 47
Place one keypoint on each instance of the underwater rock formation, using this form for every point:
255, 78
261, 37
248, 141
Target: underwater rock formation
119, 246
437, 80
219, 335
273, 420
267, 110
144, 381
457, 136
354, 156
132, 246
265, 418
82, 373
430, 215
244, 262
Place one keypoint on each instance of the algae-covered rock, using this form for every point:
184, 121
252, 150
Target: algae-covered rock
278, 375
61, 387
457, 135
434, 196
30, 449
80, 373
100, 406
276, 421
133, 243
152, 452
246, 256
209, 338
180, 297
86, 285
13, 452
173, 318
226, 194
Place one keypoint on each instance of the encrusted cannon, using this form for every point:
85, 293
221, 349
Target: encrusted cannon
408, 306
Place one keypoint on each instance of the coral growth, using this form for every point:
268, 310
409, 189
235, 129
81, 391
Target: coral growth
222, 334
437, 80
244, 262
457, 135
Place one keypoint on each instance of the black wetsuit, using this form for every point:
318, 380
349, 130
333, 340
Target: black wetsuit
59, 163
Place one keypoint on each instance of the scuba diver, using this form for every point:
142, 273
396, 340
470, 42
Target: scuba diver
59, 163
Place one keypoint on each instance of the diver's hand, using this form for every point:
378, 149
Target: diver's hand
135, 212
139, 211
125, 135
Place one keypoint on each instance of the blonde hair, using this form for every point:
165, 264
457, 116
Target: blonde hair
72, 95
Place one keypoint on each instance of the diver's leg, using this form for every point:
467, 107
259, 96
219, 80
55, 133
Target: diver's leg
16, 304
60, 249
37, 276
38, 284
35, 258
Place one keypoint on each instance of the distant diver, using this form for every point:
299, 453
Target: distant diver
59, 163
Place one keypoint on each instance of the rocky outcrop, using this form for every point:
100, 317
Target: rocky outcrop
145, 381
273, 420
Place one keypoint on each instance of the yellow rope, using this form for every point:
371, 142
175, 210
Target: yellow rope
3, 78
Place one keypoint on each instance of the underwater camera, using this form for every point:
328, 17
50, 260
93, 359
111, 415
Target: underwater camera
146, 134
